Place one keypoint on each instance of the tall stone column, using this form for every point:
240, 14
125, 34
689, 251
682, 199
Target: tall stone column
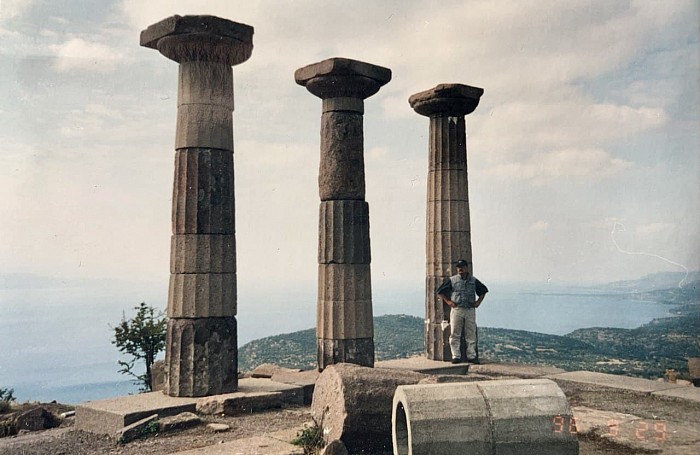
344, 328
202, 345
448, 235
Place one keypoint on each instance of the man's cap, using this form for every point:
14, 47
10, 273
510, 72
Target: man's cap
462, 263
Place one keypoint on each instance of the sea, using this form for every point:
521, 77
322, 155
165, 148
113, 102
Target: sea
56, 337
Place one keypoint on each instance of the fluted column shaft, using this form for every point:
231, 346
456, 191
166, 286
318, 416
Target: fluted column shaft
201, 341
448, 232
344, 328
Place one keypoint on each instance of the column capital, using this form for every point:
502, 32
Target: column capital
446, 100
342, 78
200, 38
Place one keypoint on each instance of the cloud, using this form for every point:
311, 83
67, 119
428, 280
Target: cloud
10, 9
76, 54
540, 225
655, 228
569, 163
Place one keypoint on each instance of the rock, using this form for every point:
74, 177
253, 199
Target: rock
218, 427
158, 376
267, 370
336, 447
353, 404
178, 422
35, 419
137, 429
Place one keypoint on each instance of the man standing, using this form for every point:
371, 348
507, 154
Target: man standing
463, 293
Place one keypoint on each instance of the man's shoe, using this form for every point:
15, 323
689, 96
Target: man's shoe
456, 360
474, 361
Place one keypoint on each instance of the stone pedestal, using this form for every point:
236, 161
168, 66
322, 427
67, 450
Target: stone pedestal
448, 236
201, 347
345, 330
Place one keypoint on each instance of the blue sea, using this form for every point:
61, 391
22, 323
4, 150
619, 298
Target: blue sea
55, 339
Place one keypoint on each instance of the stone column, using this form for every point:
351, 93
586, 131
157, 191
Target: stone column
202, 346
344, 328
448, 236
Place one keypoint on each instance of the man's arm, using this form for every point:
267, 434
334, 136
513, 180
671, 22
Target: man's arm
444, 291
481, 291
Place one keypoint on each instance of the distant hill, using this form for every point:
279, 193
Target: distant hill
646, 351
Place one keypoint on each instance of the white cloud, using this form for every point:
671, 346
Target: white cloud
10, 9
540, 225
76, 54
570, 163
655, 228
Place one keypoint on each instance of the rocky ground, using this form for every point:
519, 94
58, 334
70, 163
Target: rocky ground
640, 425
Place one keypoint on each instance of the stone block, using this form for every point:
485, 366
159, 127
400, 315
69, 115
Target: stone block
448, 216
443, 249
206, 83
267, 370
357, 351
613, 381
421, 364
450, 185
344, 319
203, 38
342, 77
446, 100
252, 394
437, 341
342, 162
514, 369
343, 232
204, 126
304, 379
202, 356
202, 295
339, 282
179, 422
112, 415
447, 144
203, 253
203, 196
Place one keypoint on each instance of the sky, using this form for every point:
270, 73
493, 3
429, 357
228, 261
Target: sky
583, 154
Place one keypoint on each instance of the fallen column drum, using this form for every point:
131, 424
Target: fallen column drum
530, 416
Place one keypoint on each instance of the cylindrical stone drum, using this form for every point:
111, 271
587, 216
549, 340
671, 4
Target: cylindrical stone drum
528, 416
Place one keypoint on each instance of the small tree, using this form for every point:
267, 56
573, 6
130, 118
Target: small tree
141, 337
6, 399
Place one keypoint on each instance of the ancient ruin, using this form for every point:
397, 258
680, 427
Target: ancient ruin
448, 235
202, 347
345, 329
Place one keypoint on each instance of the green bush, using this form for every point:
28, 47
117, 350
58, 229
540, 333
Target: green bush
6, 399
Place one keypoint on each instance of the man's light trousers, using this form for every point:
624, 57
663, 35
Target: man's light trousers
463, 319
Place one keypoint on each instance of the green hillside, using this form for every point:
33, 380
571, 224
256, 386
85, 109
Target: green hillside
646, 351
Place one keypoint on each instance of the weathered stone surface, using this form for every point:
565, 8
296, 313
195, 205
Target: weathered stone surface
207, 38
203, 193
202, 295
344, 232
344, 282
344, 319
694, 369
218, 427
353, 404
112, 415
514, 369
136, 430
444, 248
158, 376
449, 185
358, 351
203, 253
343, 104
342, 77
335, 448
253, 394
256, 445
510, 416
304, 379
206, 83
202, 356
342, 164
446, 100
267, 370
35, 419
448, 216
421, 364
179, 422
437, 340
447, 144
204, 126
